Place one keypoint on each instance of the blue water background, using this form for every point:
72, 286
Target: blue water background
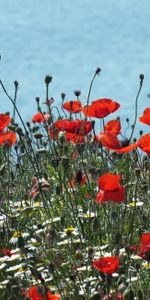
69, 40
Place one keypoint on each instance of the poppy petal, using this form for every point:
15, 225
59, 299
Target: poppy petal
4, 121
144, 143
73, 106
146, 117
113, 126
109, 182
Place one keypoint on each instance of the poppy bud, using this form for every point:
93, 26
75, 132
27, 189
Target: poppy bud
37, 99
98, 70
48, 79
140, 132
77, 93
141, 78
63, 95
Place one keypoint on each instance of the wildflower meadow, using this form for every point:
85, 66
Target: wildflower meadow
74, 200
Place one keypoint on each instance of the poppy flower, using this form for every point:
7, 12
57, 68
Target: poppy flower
111, 190
144, 143
107, 265
111, 142
100, 108
113, 126
77, 126
74, 138
39, 293
144, 249
40, 117
73, 106
146, 117
8, 137
4, 121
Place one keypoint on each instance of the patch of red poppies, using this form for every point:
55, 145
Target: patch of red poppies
107, 265
110, 189
100, 108
77, 126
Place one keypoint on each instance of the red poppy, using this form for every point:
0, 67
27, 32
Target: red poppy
111, 142
144, 143
8, 137
74, 138
146, 117
4, 121
144, 249
73, 106
111, 190
40, 117
39, 293
100, 108
113, 126
77, 126
107, 265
